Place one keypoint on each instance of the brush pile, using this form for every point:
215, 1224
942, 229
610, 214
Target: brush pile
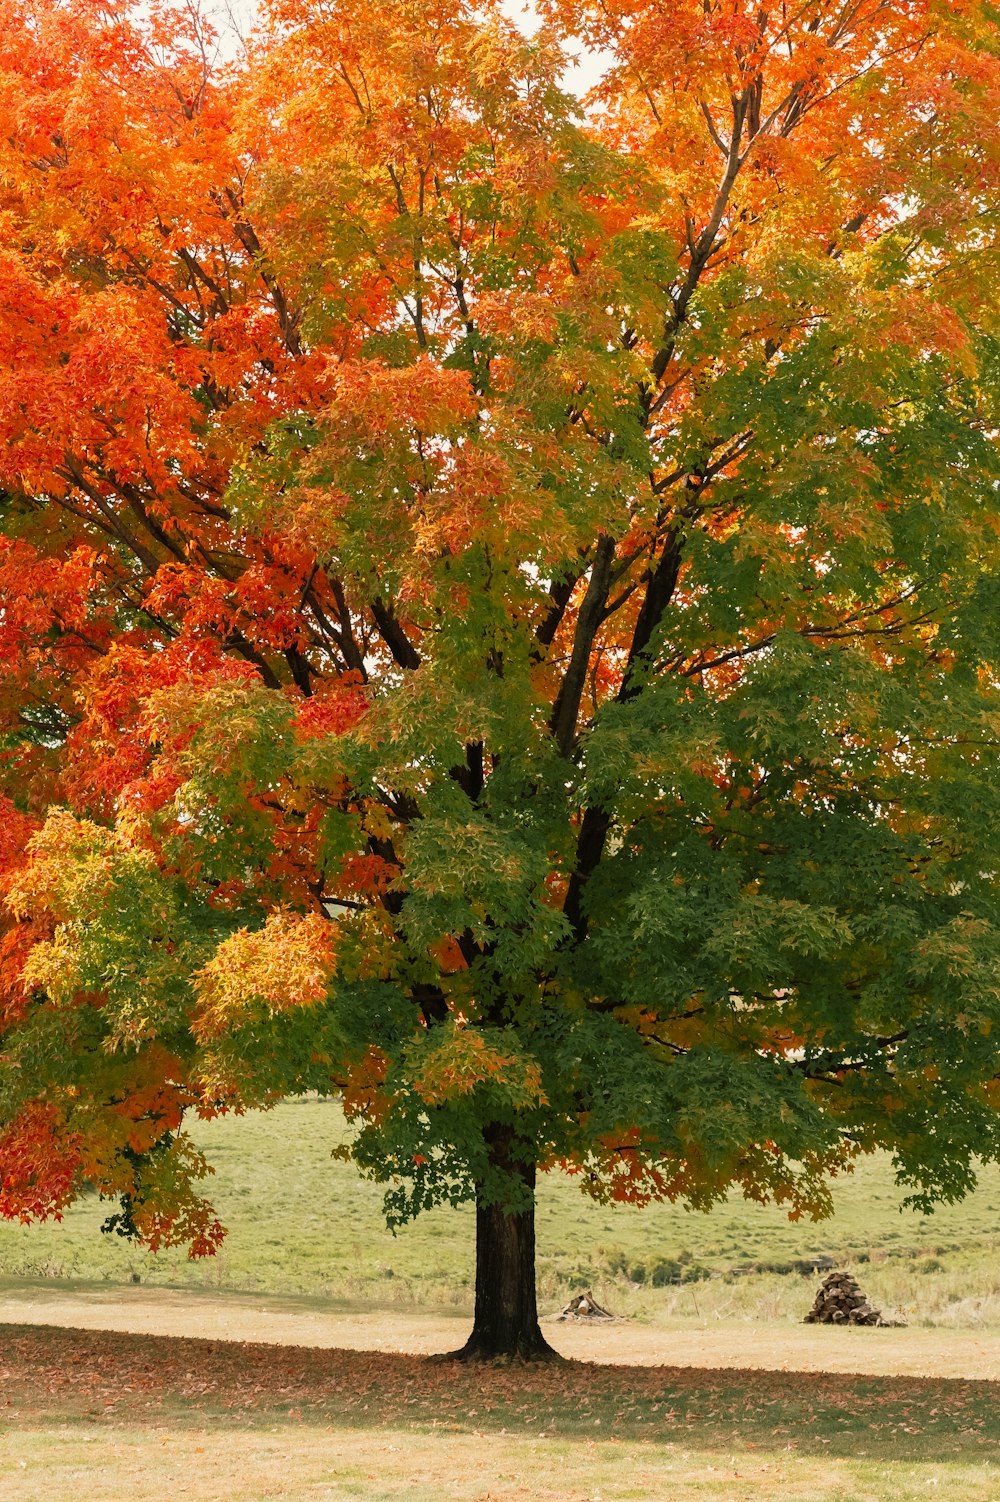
583, 1306
841, 1302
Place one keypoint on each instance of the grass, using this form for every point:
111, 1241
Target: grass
303, 1223
125, 1416
149, 1416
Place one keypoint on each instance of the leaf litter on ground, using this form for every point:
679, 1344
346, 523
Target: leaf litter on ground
101, 1377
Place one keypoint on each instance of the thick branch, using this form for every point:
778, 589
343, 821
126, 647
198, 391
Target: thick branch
596, 821
567, 705
471, 774
560, 593
659, 592
589, 849
392, 633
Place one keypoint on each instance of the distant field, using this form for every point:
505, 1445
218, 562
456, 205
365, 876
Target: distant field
302, 1223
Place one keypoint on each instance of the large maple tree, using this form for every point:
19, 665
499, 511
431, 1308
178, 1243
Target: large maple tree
498, 601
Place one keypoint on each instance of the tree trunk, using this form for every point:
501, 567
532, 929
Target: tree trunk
506, 1319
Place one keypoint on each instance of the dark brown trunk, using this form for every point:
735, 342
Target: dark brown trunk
506, 1319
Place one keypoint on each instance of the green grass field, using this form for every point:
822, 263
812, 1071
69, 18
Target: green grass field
300, 1222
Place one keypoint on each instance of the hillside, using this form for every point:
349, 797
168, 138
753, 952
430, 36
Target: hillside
301, 1222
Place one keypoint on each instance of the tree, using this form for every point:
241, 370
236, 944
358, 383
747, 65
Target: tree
499, 607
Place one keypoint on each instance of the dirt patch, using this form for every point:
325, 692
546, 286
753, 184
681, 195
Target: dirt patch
756, 1345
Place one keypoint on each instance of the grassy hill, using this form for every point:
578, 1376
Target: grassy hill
300, 1222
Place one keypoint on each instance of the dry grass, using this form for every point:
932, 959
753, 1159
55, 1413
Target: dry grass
140, 1418
221, 1464
962, 1294
665, 1340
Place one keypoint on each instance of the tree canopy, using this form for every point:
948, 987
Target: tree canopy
498, 605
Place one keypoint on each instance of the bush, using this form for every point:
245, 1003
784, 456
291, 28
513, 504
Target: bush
663, 1271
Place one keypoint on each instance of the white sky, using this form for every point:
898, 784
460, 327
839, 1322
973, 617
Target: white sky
578, 78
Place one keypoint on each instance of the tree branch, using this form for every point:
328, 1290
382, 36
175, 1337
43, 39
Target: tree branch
392, 633
562, 722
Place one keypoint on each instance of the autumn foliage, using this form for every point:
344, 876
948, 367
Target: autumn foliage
497, 606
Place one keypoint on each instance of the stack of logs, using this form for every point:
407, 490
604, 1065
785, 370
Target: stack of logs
841, 1302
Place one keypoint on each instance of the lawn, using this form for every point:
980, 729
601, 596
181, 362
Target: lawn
154, 1416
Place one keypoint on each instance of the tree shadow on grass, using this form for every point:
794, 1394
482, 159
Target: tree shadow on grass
49, 1374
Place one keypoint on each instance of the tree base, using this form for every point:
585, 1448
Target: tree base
479, 1351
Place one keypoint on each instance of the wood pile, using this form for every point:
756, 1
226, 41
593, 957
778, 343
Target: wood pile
841, 1302
584, 1306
